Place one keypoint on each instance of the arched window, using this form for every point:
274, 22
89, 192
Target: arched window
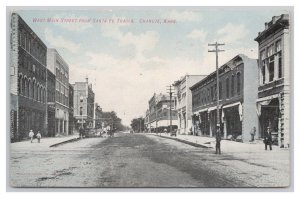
26, 87
33, 90
227, 87
220, 90
238, 79
38, 93
29, 89
232, 85
20, 84
23, 88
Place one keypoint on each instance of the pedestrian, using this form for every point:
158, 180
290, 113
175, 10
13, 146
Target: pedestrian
39, 136
81, 130
218, 140
252, 133
31, 135
268, 139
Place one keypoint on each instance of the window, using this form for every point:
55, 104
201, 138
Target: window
263, 67
227, 87
279, 58
232, 85
279, 65
271, 68
238, 79
212, 93
220, 90
278, 46
270, 50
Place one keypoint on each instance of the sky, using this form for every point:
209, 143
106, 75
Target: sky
130, 53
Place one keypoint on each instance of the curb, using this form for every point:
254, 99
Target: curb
186, 142
64, 142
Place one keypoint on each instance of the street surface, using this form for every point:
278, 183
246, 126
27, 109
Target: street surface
141, 160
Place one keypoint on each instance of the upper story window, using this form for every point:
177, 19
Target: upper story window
227, 87
232, 85
270, 50
220, 90
271, 67
238, 79
279, 57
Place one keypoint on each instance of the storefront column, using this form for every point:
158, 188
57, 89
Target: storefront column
225, 129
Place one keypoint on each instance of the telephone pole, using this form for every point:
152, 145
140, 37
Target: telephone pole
170, 92
217, 50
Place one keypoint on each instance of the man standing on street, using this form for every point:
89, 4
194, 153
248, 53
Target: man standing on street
31, 135
252, 133
268, 139
218, 140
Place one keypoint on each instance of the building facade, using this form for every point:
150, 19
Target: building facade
237, 100
60, 69
273, 103
28, 102
184, 102
71, 109
83, 104
159, 113
50, 103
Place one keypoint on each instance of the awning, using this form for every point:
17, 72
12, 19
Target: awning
240, 107
268, 98
211, 108
231, 105
264, 101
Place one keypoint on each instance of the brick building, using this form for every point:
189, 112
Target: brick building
28, 102
237, 99
84, 99
159, 113
273, 103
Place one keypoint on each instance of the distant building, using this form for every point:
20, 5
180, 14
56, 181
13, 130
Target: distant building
60, 69
98, 116
84, 99
50, 103
146, 121
71, 109
273, 103
237, 99
159, 113
184, 101
28, 73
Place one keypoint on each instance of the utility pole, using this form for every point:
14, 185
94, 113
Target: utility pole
217, 50
170, 92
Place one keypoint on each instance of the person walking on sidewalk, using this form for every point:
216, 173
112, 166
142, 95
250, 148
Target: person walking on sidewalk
39, 136
218, 140
81, 131
31, 135
268, 139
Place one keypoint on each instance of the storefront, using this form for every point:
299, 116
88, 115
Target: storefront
268, 111
232, 121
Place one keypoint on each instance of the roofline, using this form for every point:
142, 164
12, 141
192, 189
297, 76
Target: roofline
242, 56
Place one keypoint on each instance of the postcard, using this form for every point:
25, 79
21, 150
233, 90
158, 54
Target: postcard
150, 97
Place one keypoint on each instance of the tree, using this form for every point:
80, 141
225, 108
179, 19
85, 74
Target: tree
137, 124
113, 120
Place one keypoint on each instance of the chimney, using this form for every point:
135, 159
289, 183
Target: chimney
87, 79
266, 26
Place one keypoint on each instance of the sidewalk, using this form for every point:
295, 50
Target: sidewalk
44, 144
226, 145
